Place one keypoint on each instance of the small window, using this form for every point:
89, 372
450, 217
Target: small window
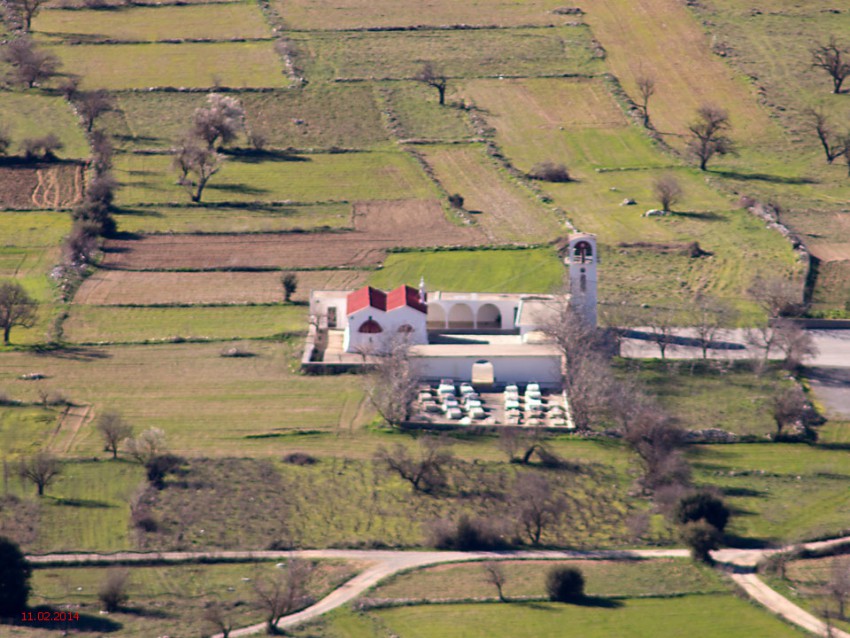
332, 317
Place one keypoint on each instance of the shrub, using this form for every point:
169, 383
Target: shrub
468, 534
113, 592
15, 574
564, 584
549, 172
456, 200
702, 506
701, 538
160, 466
300, 458
44, 148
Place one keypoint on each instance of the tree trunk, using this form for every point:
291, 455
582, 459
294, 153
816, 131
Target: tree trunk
6, 331
40, 489
442, 90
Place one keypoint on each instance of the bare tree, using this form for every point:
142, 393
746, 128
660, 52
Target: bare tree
662, 324
283, 593
92, 104
26, 11
521, 443
113, 592
832, 146
113, 429
838, 585
196, 165
830, 58
17, 308
646, 89
495, 575
667, 190
30, 66
709, 134
5, 139
433, 77
220, 121
777, 296
536, 505
789, 407
427, 471
147, 446
41, 470
219, 617
709, 316
794, 342
391, 387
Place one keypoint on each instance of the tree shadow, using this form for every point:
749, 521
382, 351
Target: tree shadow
705, 216
73, 353
138, 212
86, 623
742, 542
145, 612
243, 189
82, 502
251, 156
763, 177
597, 602
743, 492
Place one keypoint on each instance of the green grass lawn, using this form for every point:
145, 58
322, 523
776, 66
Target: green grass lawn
420, 116
191, 65
110, 324
709, 616
152, 24
305, 178
476, 53
529, 270
24, 428
27, 115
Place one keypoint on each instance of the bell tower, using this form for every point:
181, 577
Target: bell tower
581, 260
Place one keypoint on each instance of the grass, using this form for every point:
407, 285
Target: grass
419, 115
190, 65
663, 577
349, 14
153, 24
23, 429
804, 584
315, 116
505, 209
311, 178
712, 615
171, 599
353, 55
105, 324
227, 219
529, 270
27, 115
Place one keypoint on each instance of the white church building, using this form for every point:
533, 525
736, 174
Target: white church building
493, 338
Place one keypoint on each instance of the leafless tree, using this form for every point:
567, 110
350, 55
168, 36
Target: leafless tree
219, 617
646, 89
832, 146
794, 342
426, 472
521, 443
30, 66
709, 316
220, 121
17, 308
102, 152
662, 324
5, 139
667, 190
196, 165
838, 585
536, 505
113, 429
433, 77
391, 387
147, 446
43, 148
26, 10
789, 407
586, 374
618, 316
709, 134
831, 58
92, 104
777, 296
283, 593
113, 592
495, 575
41, 470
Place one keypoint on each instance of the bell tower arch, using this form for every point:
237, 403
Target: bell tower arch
582, 258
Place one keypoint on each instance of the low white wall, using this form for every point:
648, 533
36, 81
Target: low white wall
543, 369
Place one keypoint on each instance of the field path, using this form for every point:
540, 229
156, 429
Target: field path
387, 563
37, 197
70, 423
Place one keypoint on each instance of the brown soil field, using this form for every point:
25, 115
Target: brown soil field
830, 251
40, 186
378, 226
116, 287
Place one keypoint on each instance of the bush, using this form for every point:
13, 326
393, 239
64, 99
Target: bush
701, 538
15, 574
160, 466
702, 506
565, 584
300, 458
456, 200
113, 592
468, 534
549, 172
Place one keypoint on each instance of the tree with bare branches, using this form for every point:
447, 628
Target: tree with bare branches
391, 386
831, 57
17, 308
26, 10
668, 191
435, 78
30, 65
536, 505
40, 470
662, 324
218, 615
709, 316
777, 296
426, 472
833, 146
789, 407
113, 429
196, 165
92, 104
283, 593
646, 89
494, 574
709, 135
838, 585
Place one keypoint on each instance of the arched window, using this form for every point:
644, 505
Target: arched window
583, 251
370, 327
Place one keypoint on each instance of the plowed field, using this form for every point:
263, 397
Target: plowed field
40, 186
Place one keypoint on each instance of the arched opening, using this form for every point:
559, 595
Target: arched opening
406, 328
483, 373
370, 327
436, 319
489, 317
460, 317
583, 252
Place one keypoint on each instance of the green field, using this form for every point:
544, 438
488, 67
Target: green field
190, 65
152, 24
302, 178
105, 324
27, 115
476, 53
225, 219
709, 616
24, 428
419, 115
530, 270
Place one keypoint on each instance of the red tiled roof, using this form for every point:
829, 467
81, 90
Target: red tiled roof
405, 296
366, 297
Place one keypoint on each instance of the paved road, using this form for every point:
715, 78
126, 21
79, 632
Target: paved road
832, 387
